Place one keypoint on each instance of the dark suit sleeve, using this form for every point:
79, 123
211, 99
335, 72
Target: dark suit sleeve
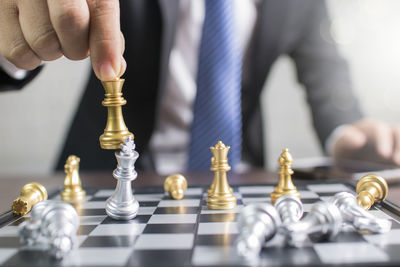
8, 83
325, 75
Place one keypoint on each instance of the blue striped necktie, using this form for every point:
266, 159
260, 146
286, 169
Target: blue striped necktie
217, 107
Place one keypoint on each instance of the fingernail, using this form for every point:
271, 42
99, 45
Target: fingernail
123, 67
107, 72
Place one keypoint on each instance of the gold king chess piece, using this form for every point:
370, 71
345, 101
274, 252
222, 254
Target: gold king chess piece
116, 130
30, 195
371, 189
73, 187
285, 185
221, 196
175, 185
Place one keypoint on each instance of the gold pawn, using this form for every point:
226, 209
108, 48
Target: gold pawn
285, 185
175, 185
221, 196
116, 130
31, 194
371, 189
73, 187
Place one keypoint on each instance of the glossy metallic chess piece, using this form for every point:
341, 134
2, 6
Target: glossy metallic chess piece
221, 197
116, 130
73, 187
31, 194
323, 221
285, 185
290, 209
371, 189
29, 231
122, 205
175, 185
355, 215
257, 223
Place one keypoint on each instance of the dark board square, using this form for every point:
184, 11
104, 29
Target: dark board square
103, 199
137, 219
342, 237
169, 228
19, 221
109, 241
160, 258
310, 200
218, 217
92, 212
284, 256
39, 258
148, 203
148, 190
9, 242
86, 229
393, 251
255, 195
177, 210
215, 240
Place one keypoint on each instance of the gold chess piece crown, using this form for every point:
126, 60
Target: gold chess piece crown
285, 185
73, 187
116, 130
31, 194
221, 196
175, 185
371, 189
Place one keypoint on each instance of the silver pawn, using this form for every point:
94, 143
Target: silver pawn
355, 215
323, 221
122, 205
59, 225
257, 223
290, 209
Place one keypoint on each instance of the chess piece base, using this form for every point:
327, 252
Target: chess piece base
226, 202
122, 211
73, 194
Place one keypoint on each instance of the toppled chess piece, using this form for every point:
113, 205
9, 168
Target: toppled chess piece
355, 215
221, 196
31, 194
371, 189
285, 185
290, 209
73, 186
175, 185
322, 222
122, 205
54, 225
116, 130
257, 223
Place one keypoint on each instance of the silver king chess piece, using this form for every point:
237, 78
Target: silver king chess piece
122, 205
354, 214
323, 222
290, 209
257, 223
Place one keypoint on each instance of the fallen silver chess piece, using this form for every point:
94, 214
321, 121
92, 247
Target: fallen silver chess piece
322, 222
53, 225
258, 223
354, 214
290, 209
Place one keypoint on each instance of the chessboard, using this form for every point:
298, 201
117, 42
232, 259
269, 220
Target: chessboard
169, 232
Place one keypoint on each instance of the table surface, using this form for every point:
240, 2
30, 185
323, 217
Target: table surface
10, 186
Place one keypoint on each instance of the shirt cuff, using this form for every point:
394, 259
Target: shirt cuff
11, 70
333, 138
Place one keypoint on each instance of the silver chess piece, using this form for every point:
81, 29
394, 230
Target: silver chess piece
290, 209
122, 205
354, 214
59, 226
323, 221
257, 223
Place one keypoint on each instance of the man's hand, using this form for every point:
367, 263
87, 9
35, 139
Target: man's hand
32, 31
369, 140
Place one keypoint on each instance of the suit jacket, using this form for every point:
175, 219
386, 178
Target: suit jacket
289, 27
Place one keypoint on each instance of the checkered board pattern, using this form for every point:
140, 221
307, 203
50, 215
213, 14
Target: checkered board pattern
170, 232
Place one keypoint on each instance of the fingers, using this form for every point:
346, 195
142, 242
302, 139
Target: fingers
37, 29
351, 139
70, 19
13, 45
396, 149
105, 41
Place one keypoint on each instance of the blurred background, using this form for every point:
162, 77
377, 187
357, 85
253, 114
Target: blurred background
34, 121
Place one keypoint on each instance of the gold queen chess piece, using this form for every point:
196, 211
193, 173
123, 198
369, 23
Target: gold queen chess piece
285, 185
371, 189
221, 196
30, 195
175, 185
116, 130
73, 186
